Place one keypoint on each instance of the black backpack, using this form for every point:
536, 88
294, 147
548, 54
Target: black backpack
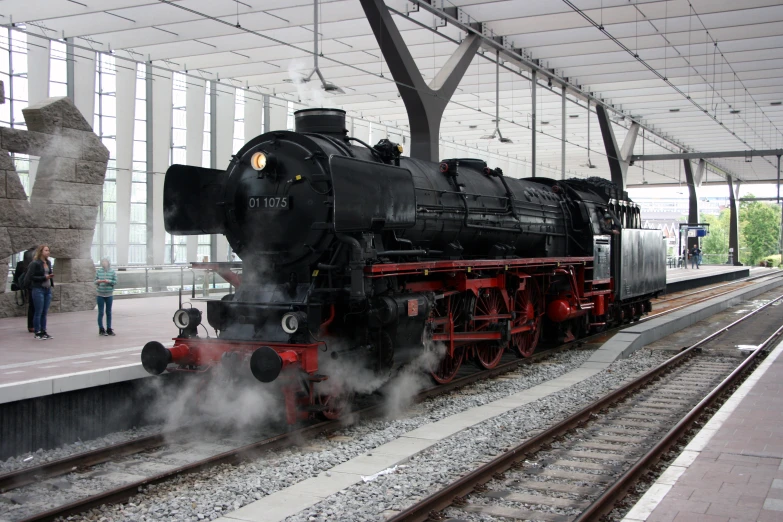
19, 273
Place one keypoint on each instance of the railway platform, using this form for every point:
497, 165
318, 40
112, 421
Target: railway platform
679, 279
732, 470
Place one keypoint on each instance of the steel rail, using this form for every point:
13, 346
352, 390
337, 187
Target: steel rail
25, 476
22, 477
466, 484
606, 502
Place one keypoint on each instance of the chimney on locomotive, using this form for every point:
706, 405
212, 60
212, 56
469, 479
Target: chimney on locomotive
330, 122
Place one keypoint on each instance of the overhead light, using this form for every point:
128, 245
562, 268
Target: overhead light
589, 164
573, 115
776, 103
496, 132
473, 126
544, 123
734, 111
327, 86
674, 110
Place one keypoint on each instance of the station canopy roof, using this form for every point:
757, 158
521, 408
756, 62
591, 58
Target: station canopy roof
699, 75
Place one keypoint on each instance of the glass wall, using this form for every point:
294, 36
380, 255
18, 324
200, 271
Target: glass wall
205, 240
105, 126
239, 120
13, 73
137, 244
58, 69
176, 248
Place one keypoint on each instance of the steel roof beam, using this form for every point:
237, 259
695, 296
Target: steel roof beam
707, 155
452, 16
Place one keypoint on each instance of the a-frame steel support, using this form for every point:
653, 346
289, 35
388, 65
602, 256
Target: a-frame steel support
424, 102
733, 222
693, 179
619, 158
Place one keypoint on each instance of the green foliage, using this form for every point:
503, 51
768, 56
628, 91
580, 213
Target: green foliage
760, 225
771, 261
759, 228
717, 242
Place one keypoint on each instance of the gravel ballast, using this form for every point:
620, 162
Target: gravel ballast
213, 493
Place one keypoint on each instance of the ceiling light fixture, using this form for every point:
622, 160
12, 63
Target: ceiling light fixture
734, 111
776, 103
327, 86
674, 110
573, 115
496, 133
589, 163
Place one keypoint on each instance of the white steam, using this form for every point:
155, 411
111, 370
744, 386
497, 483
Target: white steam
309, 91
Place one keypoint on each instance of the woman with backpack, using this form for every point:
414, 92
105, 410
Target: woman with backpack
105, 280
20, 285
41, 278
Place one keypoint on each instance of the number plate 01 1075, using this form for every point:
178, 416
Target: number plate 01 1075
268, 203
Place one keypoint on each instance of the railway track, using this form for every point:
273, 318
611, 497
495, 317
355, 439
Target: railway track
168, 451
580, 468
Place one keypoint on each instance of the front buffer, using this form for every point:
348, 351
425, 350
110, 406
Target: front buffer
294, 365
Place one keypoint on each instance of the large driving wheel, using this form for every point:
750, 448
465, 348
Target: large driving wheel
489, 302
527, 306
448, 365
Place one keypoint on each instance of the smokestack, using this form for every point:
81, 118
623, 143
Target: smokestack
321, 121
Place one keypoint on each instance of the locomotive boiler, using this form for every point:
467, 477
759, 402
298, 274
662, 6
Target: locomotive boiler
356, 255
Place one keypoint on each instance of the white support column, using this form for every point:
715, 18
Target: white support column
161, 143
126, 109
254, 115
278, 115
224, 119
84, 83
37, 83
194, 140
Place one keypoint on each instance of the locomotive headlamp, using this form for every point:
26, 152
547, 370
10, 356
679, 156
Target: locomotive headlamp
262, 161
187, 318
293, 321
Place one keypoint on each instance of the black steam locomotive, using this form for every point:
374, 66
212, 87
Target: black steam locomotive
359, 256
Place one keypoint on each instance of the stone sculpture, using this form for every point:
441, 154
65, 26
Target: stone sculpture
64, 203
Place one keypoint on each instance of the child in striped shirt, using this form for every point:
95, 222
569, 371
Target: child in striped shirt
105, 280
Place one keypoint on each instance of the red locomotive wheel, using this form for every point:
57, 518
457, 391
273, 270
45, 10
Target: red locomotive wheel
489, 303
527, 305
448, 367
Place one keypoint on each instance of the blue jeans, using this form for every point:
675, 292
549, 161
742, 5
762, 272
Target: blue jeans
42, 298
104, 301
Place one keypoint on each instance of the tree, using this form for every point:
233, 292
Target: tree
760, 226
716, 243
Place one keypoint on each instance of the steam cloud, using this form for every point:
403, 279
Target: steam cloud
309, 91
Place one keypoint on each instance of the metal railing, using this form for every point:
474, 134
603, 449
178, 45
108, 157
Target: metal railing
153, 280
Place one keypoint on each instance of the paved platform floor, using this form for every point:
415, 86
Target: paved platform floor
732, 470
674, 275
77, 347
